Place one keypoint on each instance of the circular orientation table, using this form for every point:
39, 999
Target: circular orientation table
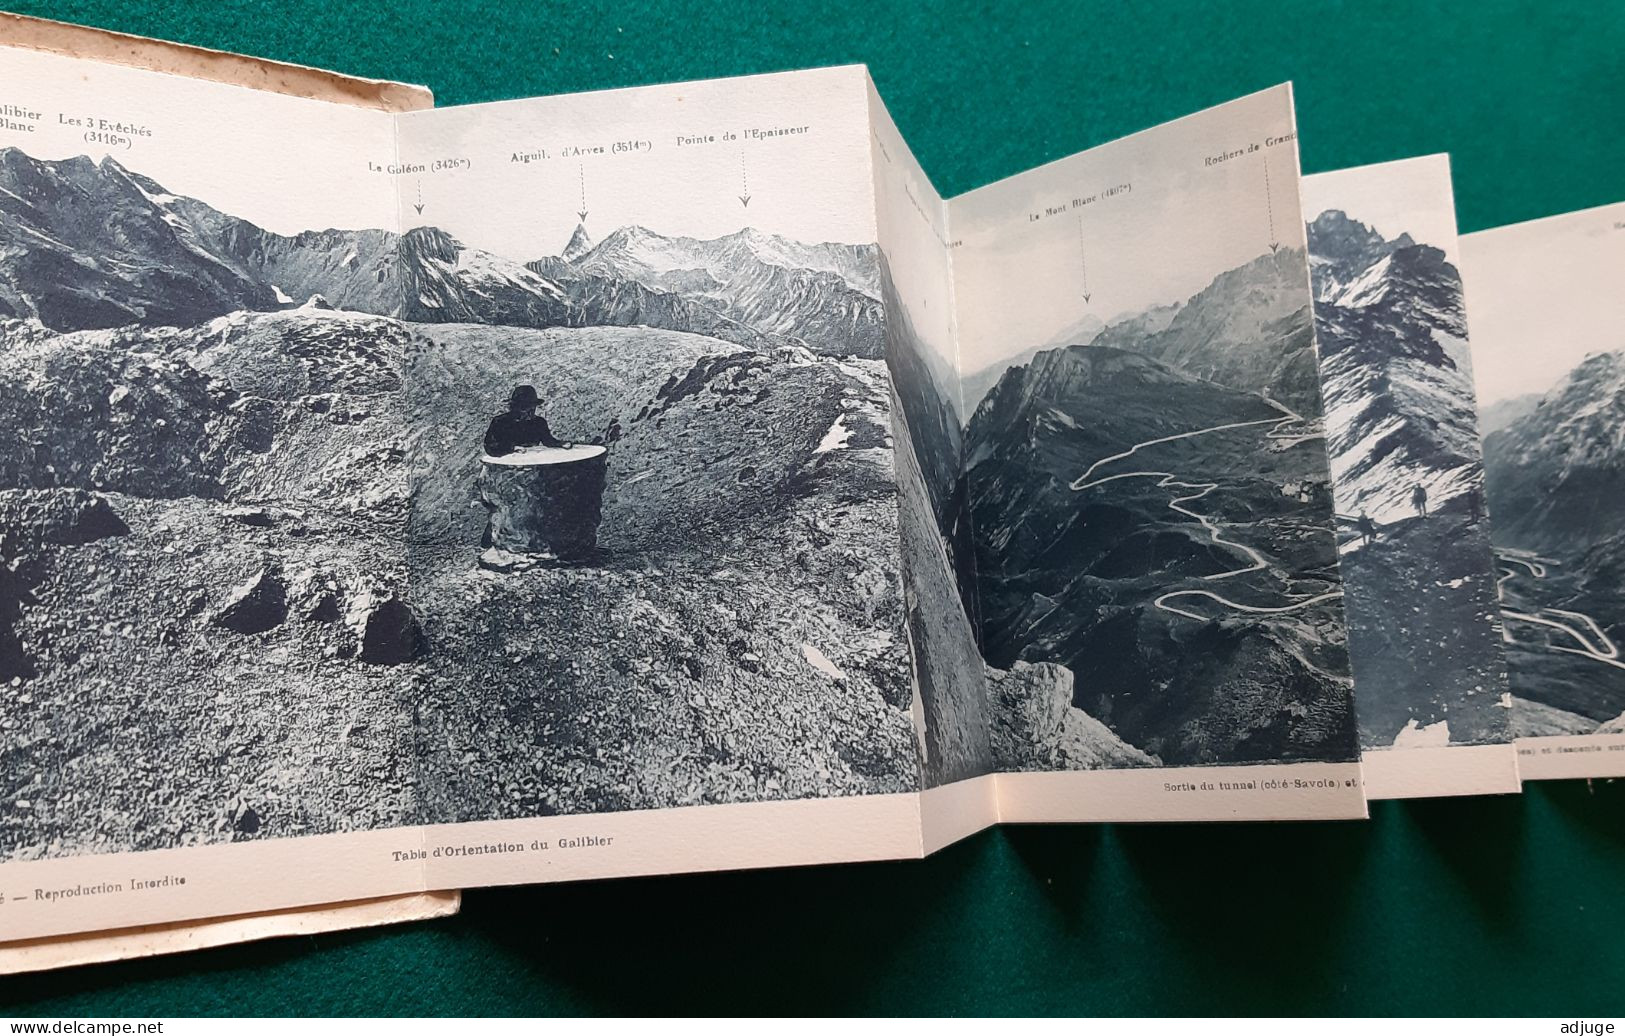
545, 500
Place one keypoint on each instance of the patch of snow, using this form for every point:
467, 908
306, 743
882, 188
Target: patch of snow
1370, 287
820, 661
1434, 735
1061, 417
836, 438
160, 199
282, 297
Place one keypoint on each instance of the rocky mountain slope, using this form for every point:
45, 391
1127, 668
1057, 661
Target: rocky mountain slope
88, 244
443, 281
240, 553
927, 399
1503, 412
1425, 633
194, 515
953, 717
1398, 385
201, 512
1036, 726
741, 636
938, 555
1249, 329
1555, 478
1551, 469
976, 385
1075, 577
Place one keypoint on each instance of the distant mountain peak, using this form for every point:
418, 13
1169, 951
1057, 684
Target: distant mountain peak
1338, 238
430, 243
580, 244
1080, 332
630, 233
1597, 376
1555, 464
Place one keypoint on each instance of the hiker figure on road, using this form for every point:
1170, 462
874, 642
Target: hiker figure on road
521, 426
1368, 529
1419, 500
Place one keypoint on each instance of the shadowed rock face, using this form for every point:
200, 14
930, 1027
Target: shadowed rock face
31, 523
1036, 726
1395, 369
61, 517
739, 635
255, 606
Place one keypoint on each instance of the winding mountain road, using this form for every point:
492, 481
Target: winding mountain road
1170, 480
1595, 645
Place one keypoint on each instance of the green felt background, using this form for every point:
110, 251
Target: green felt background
1513, 905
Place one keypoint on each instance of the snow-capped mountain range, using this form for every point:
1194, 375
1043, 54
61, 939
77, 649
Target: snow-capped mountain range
87, 244
823, 296
1396, 376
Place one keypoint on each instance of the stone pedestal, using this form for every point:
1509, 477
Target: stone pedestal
546, 502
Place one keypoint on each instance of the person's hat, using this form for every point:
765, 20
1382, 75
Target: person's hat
524, 397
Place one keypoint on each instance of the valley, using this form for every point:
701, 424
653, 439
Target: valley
1553, 476
1202, 633
1169, 480
1567, 674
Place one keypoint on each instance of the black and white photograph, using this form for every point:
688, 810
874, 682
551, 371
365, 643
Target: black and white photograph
1148, 478
203, 627
1407, 472
343, 529
653, 533
1548, 327
667, 571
